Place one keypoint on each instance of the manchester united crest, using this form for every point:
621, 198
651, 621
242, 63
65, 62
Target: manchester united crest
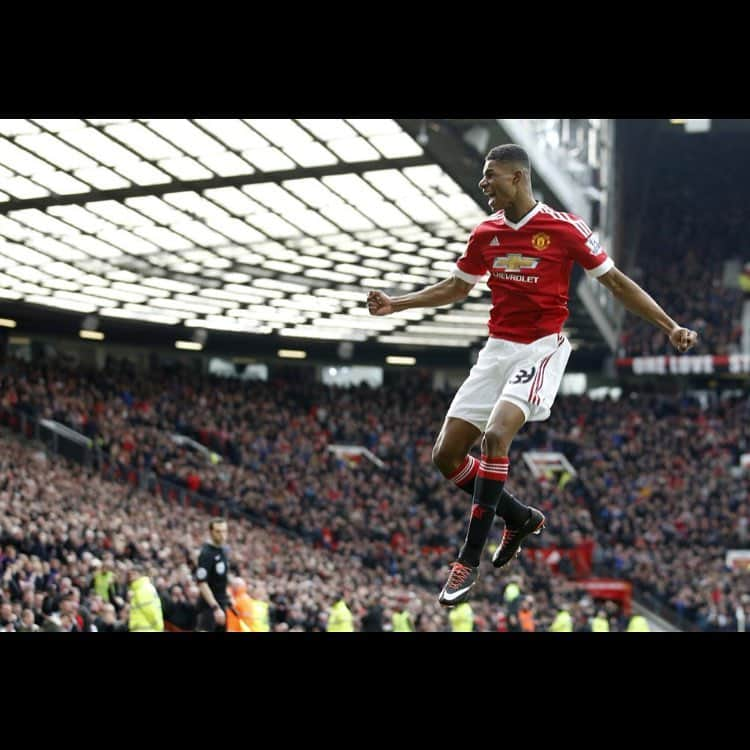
540, 241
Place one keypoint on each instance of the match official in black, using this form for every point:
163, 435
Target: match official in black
211, 574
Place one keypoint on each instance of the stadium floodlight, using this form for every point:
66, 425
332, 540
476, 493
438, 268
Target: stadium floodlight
316, 332
116, 213
353, 150
18, 254
314, 261
7, 323
323, 273
268, 159
61, 183
422, 340
12, 127
19, 161
179, 306
140, 312
28, 273
102, 178
20, 187
372, 127
53, 150
328, 129
143, 141
64, 304
229, 244
342, 320
311, 155
69, 286
233, 132
143, 173
169, 284
189, 345
185, 169
395, 360
91, 335
291, 354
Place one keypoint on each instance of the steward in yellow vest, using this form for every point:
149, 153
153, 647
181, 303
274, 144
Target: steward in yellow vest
145, 606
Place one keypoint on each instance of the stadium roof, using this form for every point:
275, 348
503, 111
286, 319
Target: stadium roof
253, 226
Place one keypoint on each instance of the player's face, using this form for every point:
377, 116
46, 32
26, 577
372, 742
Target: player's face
500, 184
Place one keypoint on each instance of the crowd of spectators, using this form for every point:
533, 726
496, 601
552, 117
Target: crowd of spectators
695, 219
657, 491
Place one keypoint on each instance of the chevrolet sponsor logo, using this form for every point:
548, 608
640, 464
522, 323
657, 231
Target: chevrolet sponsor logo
515, 262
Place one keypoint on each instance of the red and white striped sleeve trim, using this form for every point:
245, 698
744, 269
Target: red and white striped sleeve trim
467, 277
575, 221
601, 269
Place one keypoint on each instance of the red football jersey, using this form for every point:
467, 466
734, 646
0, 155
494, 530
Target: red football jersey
530, 265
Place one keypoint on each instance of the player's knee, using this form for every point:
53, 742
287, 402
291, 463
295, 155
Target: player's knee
444, 459
496, 443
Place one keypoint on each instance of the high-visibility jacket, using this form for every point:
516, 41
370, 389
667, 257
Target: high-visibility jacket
242, 621
402, 622
340, 619
600, 625
638, 624
526, 620
511, 593
145, 608
563, 623
260, 621
102, 581
462, 618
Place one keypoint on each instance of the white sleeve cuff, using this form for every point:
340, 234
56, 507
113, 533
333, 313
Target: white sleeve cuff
600, 270
467, 277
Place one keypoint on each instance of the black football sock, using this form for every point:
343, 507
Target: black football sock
490, 479
509, 507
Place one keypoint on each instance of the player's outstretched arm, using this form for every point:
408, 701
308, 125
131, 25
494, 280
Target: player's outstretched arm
445, 292
644, 305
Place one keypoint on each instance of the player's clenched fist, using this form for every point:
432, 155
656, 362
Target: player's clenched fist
379, 303
683, 339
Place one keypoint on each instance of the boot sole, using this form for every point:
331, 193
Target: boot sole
537, 531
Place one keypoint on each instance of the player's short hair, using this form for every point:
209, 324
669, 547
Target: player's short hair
510, 152
214, 521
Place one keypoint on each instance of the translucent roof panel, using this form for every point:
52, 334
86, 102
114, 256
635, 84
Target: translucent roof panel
247, 225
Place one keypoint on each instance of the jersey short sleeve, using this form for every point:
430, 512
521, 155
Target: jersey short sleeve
204, 565
587, 251
470, 267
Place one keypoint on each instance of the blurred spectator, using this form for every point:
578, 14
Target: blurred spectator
462, 618
638, 624
401, 619
179, 614
600, 623
563, 622
240, 610
144, 604
107, 621
526, 615
340, 617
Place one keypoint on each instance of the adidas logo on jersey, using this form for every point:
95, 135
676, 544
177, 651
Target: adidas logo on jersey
495, 242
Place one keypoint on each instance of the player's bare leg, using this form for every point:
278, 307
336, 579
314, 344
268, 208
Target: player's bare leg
520, 520
451, 455
453, 444
505, 421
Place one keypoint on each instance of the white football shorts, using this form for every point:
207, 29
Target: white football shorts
526, 375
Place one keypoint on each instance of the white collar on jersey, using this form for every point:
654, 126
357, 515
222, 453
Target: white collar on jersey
524, 219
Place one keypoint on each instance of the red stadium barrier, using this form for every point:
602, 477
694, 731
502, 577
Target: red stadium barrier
610, 589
